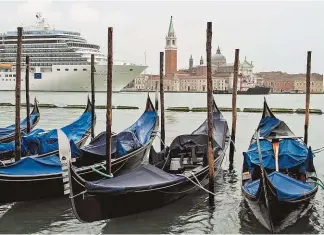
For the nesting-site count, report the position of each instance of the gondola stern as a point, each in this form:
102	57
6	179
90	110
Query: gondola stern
89	105
215	107
35	108
266	110
36	112
89	108
156	99
149	105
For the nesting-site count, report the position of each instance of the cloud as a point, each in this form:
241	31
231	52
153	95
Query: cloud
81	13
33	6
26	12
115	18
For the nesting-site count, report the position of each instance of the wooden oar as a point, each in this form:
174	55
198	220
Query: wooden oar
275	145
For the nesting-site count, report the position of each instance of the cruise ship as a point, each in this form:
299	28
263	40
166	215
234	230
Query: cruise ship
59	61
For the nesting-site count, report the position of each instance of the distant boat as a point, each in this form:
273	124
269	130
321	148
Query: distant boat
59	61
257	90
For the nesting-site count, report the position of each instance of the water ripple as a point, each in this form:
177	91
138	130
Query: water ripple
191	214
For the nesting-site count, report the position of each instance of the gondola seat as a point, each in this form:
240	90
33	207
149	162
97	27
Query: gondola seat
190	157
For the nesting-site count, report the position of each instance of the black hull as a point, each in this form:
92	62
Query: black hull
24	130
94	207
283	215
26	188
280	214
249	91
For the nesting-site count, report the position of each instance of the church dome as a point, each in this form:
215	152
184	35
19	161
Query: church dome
218	58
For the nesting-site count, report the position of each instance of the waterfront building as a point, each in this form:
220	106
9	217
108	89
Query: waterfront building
291	83
194	77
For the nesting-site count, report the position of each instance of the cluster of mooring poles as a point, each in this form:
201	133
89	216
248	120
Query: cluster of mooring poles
109	102
18	95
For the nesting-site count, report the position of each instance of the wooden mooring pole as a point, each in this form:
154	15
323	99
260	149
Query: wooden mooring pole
92	96
27	94
210	104
162	101
308	74
234	109
17	95
109	99
156	97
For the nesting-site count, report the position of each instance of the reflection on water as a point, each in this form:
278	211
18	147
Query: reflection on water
171	117
190	214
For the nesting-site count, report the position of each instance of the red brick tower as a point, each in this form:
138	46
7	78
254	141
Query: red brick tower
170	50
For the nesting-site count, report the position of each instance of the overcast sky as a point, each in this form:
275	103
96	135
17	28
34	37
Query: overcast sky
274	35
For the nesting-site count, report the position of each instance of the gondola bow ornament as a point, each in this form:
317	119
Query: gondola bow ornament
65	158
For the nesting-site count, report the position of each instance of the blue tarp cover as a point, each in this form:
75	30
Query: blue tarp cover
291	154
10	130
220	132
267	124
48	142
33	166
41	142
147	176
126	141
287	187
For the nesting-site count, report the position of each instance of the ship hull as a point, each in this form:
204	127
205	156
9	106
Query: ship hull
249	91
77	78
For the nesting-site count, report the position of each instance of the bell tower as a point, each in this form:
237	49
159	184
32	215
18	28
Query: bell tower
171	50
190	63
201	61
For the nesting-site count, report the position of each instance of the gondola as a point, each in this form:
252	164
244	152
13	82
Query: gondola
7	134
44	143
34	178
278	177
169	176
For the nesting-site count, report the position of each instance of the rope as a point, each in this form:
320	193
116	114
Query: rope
121	166
158	132
83	192
160	137
320	183
317	179
198	184
78	182
166	160
232	142
318	150
101	173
